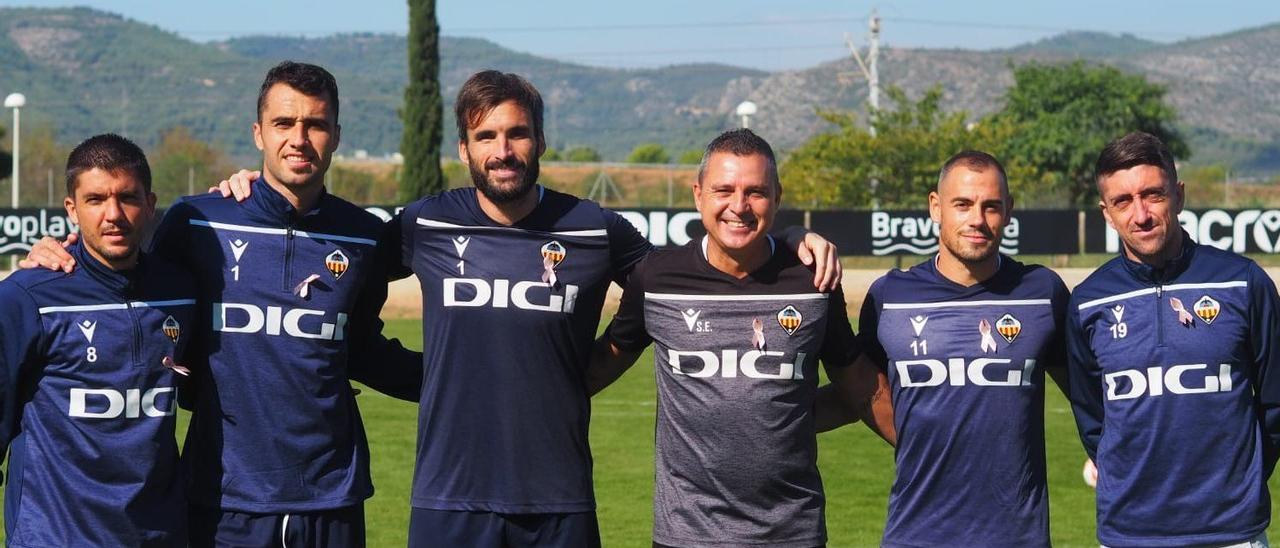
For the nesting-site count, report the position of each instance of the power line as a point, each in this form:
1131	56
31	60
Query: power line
1021	27
558	28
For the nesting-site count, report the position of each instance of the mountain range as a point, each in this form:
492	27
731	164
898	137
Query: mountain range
86	71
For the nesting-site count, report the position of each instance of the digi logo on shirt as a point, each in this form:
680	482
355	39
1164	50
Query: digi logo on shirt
248	318
955	372
1155	381
704	363
525	295
108	403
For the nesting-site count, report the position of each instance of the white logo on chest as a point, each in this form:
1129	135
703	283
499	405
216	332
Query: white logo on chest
87	327
691	317
237	248
460	244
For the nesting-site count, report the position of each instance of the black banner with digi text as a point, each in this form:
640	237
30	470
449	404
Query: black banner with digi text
873	233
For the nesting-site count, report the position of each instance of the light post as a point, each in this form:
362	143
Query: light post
15	101
746	110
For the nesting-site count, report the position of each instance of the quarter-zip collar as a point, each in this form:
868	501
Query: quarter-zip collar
269	206
1157	276
121	282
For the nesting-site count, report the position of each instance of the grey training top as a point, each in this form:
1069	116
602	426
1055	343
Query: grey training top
736	449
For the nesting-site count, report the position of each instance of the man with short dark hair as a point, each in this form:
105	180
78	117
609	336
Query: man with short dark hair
89	364
293	284
1174	378
739	330
966	339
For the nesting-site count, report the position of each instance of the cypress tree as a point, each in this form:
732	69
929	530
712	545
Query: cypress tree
420	142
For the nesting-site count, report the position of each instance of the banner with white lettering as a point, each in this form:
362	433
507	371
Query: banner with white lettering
1235	230
915	233
854	232
19	228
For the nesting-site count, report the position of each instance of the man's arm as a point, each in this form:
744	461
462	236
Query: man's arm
1055	361
1264	329
608	363
20	334
382	364
859	391
816	251
1084	383
626	337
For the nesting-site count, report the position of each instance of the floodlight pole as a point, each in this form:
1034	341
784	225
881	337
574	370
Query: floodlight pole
16	101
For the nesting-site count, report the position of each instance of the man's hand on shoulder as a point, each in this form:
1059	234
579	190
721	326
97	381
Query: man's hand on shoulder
237	185
51	254
820	253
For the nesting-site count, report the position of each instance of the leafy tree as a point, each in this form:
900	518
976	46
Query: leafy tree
1064	115
552	155
690	157
422	113
897	167
649	153
581	154
182	164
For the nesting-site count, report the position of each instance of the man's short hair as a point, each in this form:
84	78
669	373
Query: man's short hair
741	142
111	153
487	89
975	160
310	80
1132	150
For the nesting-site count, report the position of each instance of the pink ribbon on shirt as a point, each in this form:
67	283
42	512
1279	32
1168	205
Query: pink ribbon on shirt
303	289
172	365
757	335
1184	317
548	270
988	342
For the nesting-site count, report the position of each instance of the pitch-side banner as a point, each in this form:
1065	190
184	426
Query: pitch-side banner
19	228
854	232
914	233
1236	230
875	232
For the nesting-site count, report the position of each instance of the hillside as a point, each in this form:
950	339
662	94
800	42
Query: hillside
88	71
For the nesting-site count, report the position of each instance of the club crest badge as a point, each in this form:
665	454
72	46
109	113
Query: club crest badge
789	318
1207	309
1009	327
553	252
171	328
337	263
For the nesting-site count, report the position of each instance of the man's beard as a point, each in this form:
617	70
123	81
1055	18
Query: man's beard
971	255
500	195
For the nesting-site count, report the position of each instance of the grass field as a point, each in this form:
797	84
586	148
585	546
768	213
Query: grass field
857	468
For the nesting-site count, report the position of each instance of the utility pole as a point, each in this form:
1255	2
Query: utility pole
871	69
871	65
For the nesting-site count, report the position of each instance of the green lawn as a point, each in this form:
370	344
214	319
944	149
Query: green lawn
857	467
